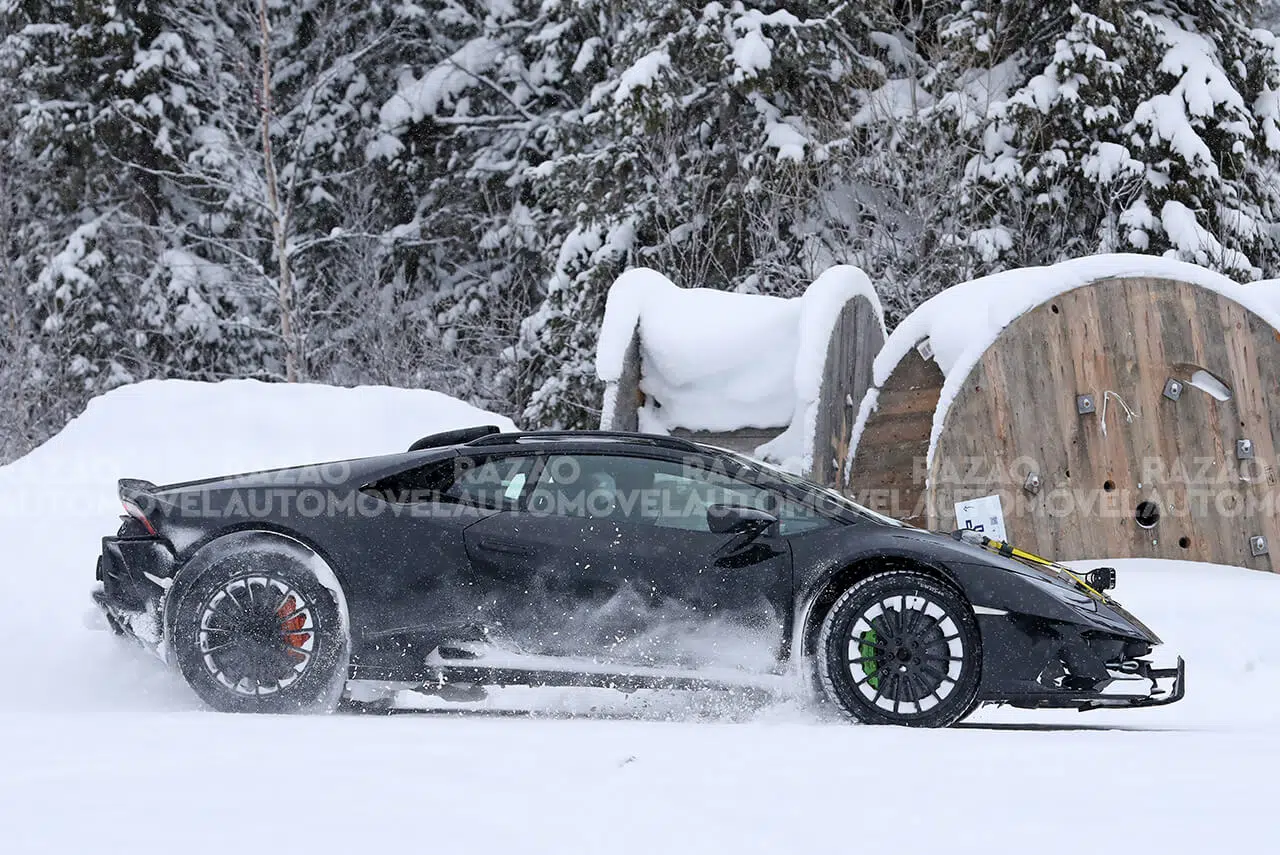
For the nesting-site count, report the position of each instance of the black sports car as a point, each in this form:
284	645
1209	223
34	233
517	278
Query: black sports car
480	558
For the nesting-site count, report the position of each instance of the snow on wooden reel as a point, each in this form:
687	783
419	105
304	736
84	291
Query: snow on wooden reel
1120	406
766	376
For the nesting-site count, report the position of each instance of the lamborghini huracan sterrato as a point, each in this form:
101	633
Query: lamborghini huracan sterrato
480	558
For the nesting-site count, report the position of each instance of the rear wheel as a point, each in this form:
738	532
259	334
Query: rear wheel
900	647
257	632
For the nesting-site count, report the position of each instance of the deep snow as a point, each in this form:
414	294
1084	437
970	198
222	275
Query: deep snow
105	751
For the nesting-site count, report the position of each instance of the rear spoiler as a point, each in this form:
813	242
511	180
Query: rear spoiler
139	500
136	489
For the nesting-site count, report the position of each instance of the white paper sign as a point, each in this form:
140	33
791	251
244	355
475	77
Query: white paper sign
984	515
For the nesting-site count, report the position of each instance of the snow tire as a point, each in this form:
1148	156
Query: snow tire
901	647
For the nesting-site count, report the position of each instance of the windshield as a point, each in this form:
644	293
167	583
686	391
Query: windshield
816	491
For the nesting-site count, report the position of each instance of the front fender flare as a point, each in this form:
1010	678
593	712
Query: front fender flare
814	584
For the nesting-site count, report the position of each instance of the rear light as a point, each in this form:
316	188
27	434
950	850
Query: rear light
136	512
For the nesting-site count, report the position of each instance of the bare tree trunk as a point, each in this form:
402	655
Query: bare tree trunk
278	212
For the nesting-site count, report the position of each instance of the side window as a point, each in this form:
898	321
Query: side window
687	495
489	482
660	493
795	518
594	486
486	482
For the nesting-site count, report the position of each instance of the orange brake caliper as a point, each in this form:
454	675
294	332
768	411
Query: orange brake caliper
291	622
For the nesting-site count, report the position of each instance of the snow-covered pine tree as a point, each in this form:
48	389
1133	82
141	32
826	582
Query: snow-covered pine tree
477	102
1134	126
65	59
116	296
26	403
1267	15
699	150
276	103
891	204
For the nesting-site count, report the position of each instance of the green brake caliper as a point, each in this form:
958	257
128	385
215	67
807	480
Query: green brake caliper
867	652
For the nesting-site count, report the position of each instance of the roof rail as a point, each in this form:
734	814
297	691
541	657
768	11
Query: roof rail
657	440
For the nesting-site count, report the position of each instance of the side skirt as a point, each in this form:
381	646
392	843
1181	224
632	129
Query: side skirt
623	681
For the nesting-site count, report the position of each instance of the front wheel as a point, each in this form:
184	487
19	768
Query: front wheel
901	647
257	632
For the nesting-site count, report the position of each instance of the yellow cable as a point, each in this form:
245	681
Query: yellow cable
1028	556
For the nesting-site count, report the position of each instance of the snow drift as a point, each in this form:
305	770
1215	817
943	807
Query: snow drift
60	499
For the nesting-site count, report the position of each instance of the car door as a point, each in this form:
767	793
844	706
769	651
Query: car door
614	576
735	591
420	587
562	569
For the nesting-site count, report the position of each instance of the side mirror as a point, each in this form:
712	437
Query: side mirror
736	519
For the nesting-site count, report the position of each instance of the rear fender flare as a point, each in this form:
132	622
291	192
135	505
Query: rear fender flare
250	540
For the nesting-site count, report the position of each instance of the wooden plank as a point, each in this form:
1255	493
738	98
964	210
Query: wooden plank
908	402
847	370
744	441
889	461
622	399
893	431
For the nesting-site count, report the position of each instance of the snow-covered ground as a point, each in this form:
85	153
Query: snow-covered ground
103	750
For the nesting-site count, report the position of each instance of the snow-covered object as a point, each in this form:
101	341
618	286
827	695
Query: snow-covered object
721	361
819	310
963	321
710	360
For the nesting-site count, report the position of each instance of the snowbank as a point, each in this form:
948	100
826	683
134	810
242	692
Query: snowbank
965	320
56	502
175	430
719	360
